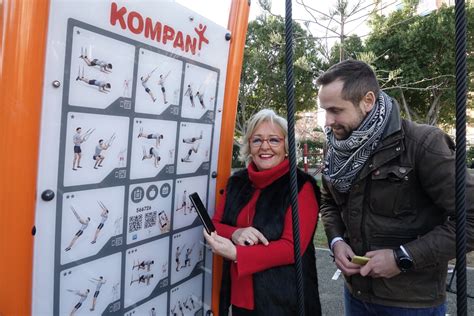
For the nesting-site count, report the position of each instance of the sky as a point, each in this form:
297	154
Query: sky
218	11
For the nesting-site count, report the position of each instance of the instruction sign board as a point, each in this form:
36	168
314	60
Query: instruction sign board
131	115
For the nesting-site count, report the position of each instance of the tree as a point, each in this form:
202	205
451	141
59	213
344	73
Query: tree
421	50
470	157
262	83
351	47
339	22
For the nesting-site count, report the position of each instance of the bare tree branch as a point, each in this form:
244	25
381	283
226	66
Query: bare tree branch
404	103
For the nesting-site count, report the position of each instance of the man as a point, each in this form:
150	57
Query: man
99	282
83	297
189	93
144	80
84	224
78	139
388	194
161	82
98	157
103	86
104	215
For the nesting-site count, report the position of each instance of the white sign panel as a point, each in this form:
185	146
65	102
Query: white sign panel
132	105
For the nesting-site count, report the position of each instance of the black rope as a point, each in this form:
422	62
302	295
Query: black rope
290	101
461	98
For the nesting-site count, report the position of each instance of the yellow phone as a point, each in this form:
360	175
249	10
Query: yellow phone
360	260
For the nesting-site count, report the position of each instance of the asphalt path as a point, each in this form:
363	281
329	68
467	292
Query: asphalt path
330	291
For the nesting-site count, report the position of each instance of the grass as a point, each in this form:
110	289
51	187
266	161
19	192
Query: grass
319	239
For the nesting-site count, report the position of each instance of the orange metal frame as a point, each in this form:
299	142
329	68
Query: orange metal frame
22	53
238	22
23	31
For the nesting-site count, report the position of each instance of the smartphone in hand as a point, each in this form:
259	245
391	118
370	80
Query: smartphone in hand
202	212
360	260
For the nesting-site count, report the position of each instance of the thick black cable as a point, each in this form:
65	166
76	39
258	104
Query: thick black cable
461	98
290	101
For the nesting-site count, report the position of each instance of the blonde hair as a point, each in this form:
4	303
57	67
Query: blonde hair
265	115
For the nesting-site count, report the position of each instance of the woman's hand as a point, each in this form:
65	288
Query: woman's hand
248	236
221	246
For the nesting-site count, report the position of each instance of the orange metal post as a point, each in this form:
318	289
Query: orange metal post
238	22
22	51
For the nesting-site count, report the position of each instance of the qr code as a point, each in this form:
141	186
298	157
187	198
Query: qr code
150	219
127	105
135	223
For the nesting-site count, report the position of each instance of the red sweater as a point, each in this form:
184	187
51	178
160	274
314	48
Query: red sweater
252	259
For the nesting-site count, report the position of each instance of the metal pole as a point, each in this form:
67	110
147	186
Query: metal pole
290	101
461	97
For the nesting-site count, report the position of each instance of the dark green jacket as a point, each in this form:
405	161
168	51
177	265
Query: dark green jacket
404	195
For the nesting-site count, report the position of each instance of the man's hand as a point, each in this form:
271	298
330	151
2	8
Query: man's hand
381	264
248	236
221	246
342	255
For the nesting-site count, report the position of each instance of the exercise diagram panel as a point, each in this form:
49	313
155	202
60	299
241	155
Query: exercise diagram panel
130	128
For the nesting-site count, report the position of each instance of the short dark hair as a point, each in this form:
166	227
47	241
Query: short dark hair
357	76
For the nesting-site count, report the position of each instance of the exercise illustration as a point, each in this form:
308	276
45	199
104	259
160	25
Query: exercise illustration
161	82
189	93
189	303
99	282
115	291
187	257
104	216
126	88
84	223
152	153
78	139
200	97
184	203
101	64
82	298
180	308
156	136
164	269
121	157
173	311
144	264
178	252
143	278
103	86
118	226
194	142
98	156
144	80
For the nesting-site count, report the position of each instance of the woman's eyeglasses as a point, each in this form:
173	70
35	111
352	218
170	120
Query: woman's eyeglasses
273	141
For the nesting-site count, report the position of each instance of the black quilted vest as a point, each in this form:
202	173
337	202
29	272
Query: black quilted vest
275	288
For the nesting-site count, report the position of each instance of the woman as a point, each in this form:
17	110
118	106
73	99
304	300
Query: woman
254	228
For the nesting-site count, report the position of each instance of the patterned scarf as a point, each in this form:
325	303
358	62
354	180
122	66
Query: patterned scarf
345	158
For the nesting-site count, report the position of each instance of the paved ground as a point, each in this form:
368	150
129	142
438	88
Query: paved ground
330	291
